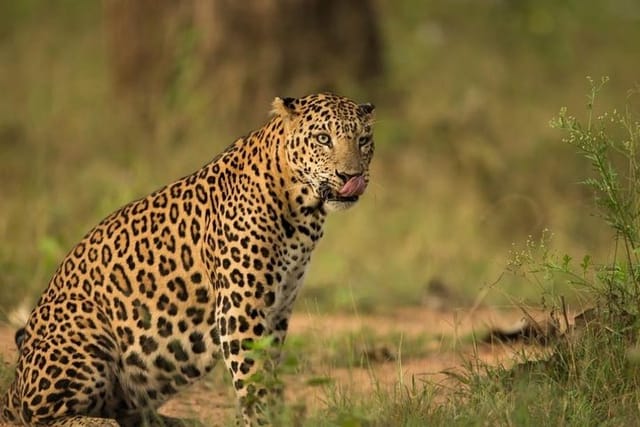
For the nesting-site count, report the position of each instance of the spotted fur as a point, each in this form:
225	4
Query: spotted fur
199	270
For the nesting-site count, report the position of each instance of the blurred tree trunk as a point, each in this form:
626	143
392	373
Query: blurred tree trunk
141	41
247	52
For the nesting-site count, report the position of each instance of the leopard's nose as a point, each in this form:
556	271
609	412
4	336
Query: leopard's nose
344	176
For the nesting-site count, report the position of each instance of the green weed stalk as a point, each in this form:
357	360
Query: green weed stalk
609	141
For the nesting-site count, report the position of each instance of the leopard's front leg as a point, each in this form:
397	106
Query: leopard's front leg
250	343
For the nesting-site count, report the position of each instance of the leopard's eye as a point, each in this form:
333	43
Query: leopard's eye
364	140
324	139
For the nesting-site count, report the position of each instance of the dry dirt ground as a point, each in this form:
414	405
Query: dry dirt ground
211	400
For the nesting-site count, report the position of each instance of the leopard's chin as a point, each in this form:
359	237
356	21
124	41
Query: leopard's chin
339	203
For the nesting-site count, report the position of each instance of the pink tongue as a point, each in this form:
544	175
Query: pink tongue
354	187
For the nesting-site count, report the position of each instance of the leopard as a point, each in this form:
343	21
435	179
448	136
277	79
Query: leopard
200	270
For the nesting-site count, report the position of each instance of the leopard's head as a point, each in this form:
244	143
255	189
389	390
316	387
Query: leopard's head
329	146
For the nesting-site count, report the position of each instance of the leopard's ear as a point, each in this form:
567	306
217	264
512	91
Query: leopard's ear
367	109
285	107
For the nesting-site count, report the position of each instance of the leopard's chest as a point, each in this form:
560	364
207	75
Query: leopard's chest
293	262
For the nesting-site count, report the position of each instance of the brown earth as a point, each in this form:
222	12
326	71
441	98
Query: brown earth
445	338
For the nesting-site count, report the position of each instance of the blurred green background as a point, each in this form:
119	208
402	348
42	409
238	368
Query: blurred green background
103	102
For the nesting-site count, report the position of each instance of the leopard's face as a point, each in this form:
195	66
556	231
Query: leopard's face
329	146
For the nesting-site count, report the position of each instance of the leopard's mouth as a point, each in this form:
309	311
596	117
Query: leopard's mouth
328	194
349	193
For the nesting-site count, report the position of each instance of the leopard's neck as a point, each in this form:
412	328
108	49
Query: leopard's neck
257	167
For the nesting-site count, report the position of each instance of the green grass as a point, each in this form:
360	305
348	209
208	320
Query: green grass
588	389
